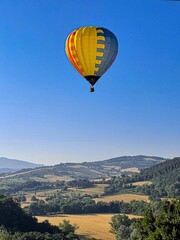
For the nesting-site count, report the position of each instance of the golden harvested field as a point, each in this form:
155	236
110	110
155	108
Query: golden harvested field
142	183
97	189
133	169
123	197
53	178
101	179
78	166
92	225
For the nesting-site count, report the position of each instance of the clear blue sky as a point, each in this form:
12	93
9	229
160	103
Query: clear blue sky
48	115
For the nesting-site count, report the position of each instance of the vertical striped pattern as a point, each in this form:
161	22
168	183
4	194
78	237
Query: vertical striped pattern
71	52
86	41
100	50
91	50
109	52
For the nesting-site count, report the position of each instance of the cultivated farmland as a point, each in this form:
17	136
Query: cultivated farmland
123	197
92	225
141	183
97	189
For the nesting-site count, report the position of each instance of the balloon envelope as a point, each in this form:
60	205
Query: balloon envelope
91	50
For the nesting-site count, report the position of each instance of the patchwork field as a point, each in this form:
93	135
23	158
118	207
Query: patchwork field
133	169
122	197
141	183
92	225
97	189
54	178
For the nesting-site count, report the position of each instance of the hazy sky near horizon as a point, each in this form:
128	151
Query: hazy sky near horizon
48	115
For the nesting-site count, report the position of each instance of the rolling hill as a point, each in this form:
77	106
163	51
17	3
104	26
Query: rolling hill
93	170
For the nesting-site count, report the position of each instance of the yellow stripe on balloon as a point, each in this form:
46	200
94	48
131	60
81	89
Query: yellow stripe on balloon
92	50
99	54
100	31
85	41
96	69
78	46
100	37
102	46
89	42
98	61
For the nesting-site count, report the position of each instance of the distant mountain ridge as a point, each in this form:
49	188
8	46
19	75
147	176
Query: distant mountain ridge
93	170
12	165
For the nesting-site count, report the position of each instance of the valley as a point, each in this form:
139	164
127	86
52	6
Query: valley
91	202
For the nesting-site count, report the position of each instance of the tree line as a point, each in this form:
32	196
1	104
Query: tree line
25	185
77	204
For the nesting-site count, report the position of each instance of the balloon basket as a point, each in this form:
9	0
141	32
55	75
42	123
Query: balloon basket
92	89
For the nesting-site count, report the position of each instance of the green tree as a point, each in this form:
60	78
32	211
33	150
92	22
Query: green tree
121	226
161	225
4	235
67	227
33	198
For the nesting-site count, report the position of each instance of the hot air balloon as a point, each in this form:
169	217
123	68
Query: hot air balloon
91	50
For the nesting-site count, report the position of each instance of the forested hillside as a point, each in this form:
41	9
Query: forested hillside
171	166
164	177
